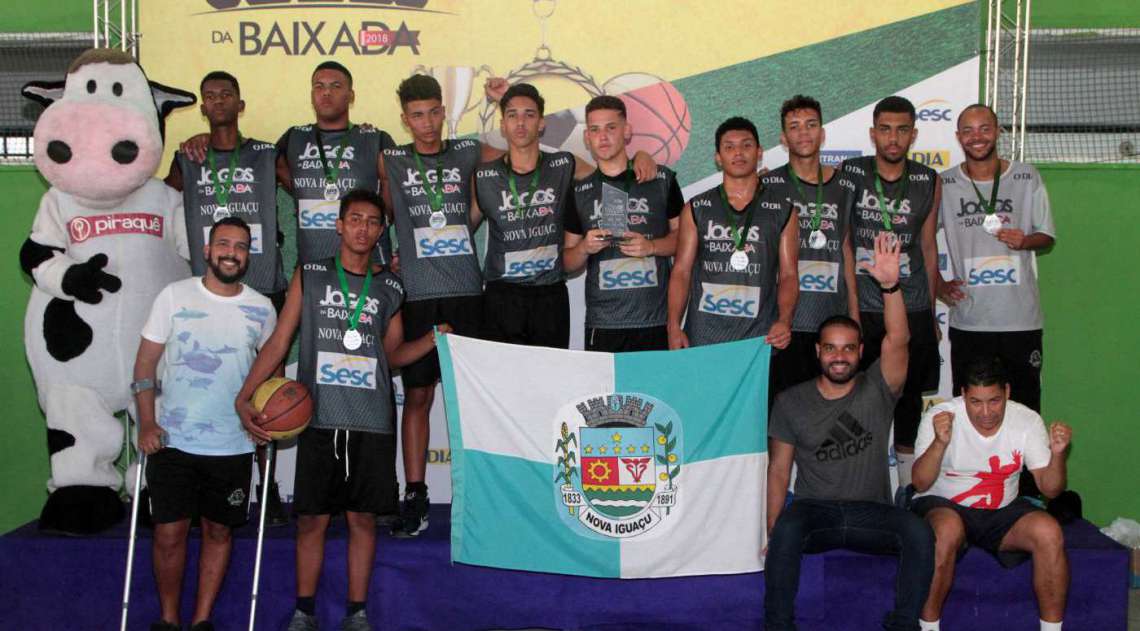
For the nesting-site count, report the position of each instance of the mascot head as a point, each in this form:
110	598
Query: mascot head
100	137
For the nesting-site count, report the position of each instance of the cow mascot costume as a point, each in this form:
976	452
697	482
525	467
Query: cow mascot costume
106	238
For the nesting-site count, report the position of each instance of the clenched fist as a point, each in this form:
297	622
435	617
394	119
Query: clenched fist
1059	437
943	427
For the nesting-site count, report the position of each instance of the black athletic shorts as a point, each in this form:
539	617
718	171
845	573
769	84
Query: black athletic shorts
923	365
534	315
653	338
338	471
793	365
984	527
278	300
1020	351
184	485
463	313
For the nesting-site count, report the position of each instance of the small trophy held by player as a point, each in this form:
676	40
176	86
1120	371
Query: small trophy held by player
614	218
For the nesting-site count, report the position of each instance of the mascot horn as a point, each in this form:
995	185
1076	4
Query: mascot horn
106	238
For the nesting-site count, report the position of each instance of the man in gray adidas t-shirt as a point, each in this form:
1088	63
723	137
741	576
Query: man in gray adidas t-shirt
734	275
995	214
826	263
834	429
627	273
348	311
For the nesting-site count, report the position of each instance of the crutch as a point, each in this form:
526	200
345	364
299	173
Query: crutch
131	542
270	450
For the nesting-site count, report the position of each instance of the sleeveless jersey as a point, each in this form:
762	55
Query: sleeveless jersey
625	292
435	261
906	215
316	217
524	242
823	286
726	305
351	389
253	198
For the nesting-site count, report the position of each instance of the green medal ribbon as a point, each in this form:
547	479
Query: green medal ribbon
735	229
817	214
884	210
434	194
991	207
359	299
222	190
332	173
514	185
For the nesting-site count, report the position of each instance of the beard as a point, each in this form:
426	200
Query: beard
220	274
845	372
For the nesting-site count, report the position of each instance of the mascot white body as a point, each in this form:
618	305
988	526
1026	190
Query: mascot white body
106	239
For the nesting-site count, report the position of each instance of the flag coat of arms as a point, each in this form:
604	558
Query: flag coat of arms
629	465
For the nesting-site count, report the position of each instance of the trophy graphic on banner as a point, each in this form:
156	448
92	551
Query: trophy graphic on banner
456	83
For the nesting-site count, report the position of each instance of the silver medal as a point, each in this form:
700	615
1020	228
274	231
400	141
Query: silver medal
332	192
991	224
738	261
437	220
221	212
352	339
816	240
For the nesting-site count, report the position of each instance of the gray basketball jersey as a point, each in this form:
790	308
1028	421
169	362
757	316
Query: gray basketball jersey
524	242
351	389
906	215
625	292
316	216
727	305
823	285
435	260
252	197
1001	284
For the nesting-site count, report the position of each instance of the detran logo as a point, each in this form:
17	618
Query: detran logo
446	241
993	271
819	276
627	273
738	301
934	110
349	371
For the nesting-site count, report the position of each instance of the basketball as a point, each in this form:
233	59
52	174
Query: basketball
286	404
657	113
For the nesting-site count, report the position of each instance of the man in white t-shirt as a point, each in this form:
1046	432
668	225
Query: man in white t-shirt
970	454
208	330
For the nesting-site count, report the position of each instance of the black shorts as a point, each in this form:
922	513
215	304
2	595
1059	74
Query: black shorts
985	528
463	313
1020	351
184	485
534	315
278	300
923	365
793	365
341	471
653	338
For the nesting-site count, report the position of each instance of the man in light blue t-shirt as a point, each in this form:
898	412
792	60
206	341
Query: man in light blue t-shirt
208	330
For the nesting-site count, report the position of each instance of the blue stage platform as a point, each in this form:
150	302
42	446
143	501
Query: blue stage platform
58	583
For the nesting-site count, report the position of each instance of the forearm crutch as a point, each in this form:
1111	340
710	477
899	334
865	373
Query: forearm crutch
131	541
270	451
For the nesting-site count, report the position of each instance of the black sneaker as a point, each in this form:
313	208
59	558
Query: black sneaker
413	517
204	625
163	625
275	514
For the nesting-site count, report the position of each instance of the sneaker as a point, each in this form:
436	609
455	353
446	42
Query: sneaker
302	621
414	516
275	514
204	625
163	625
356	622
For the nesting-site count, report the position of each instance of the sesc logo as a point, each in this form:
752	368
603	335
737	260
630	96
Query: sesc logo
528	263
452	240
349	371
738	301
627	273
993	271
819	276
934	110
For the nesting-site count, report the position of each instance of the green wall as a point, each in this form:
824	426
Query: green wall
1086	283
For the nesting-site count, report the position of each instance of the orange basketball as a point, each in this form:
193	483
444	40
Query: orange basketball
286	404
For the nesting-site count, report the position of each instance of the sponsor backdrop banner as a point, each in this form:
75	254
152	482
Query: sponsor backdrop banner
608	465
682	67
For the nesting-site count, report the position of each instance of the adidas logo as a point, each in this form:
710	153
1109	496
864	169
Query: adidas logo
846	439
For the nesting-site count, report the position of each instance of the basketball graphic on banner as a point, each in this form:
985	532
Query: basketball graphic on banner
657	112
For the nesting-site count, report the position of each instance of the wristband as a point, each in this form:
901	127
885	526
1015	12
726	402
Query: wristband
890	290
142	385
